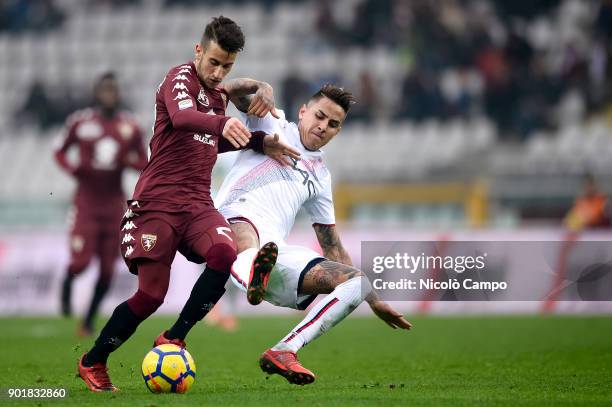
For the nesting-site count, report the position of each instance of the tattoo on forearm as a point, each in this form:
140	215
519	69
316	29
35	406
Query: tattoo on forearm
326	276
241	87
330	244
339	271
327	236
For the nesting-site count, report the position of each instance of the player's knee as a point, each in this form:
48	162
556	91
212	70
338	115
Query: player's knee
356	289
143	304
220	257
351	273
365	285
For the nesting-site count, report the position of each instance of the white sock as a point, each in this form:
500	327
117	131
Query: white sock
328	312
241	269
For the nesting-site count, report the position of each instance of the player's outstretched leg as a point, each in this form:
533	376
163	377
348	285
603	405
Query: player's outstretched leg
209	289
348	286
153	280
260	272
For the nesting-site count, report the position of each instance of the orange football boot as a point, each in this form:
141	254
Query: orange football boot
260	272
162	340
286	364
96	377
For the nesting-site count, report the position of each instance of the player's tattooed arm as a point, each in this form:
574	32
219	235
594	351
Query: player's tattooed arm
326	276
330	243
261	100
242	103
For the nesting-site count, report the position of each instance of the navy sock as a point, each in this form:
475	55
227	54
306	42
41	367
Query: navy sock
121	325
209	288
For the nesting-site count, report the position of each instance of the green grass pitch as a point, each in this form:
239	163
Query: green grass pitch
454	361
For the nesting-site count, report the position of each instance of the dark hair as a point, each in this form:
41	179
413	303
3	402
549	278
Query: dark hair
106	76
338	95
224	32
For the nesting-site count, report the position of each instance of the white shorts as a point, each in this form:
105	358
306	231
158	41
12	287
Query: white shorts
286	276
265	232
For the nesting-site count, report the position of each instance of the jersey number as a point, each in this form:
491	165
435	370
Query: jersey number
306	178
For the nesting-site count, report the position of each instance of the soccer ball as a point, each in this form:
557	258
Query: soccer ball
168	369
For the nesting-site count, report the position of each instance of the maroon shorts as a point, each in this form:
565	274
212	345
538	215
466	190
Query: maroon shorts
156	231
94	231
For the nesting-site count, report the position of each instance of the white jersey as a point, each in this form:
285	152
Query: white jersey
270	195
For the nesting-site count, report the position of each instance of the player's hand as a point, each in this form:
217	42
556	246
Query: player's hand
281	152
391	317
236	133
263	102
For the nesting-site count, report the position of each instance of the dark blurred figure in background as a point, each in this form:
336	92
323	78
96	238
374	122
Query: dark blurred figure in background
113	4
17	16
39	108
294	89
108	141
590	208
365	110
48	106
420	96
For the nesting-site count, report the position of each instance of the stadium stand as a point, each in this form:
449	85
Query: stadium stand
438	117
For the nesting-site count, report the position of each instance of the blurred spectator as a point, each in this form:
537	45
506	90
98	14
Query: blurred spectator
46	108
38	108
590	208
461	88
326	24
367	99
420	96
294	90
371	23
113	4
603	21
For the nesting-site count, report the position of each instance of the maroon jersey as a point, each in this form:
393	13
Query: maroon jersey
188	124
106	146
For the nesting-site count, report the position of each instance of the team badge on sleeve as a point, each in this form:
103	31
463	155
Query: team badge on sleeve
148	241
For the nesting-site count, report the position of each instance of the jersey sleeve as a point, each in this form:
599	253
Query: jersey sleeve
268	124
69	139
137	155
179	92
256	143
321	207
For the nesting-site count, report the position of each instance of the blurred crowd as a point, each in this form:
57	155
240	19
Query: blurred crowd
528	66
17	16
49	106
